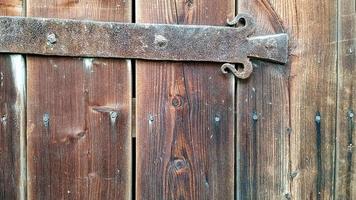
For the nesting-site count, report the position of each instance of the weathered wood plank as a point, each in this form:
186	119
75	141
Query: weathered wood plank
185	119
12	117
312	86
287	128
263	119
79	113
346	132
12	8
12	127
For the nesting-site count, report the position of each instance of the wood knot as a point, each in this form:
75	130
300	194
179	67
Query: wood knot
177	101
189	3
180	164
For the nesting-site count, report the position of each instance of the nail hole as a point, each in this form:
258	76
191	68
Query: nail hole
46	119
3	119
241	22
150	118
240	68
255	116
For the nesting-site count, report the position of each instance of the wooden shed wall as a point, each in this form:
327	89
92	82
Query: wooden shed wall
288	132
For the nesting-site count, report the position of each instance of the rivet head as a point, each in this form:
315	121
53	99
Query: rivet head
160	41
150	118
351	114
217	118
255	116
113	115
45	119
318	118
51	38
271	44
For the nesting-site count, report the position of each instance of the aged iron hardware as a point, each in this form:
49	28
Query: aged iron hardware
63	37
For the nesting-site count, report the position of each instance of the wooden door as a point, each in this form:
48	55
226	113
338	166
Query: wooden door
95	128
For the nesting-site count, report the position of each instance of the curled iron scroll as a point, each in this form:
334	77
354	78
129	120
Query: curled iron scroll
247	23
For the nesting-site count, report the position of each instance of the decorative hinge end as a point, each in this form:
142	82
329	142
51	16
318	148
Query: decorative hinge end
273	48
243	71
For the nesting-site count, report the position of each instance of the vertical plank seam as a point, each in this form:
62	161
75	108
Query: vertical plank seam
337	99
176	11
289	132
24	13
26	194
236	164
350	128
274	15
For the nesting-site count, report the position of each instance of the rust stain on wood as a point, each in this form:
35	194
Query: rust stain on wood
320	176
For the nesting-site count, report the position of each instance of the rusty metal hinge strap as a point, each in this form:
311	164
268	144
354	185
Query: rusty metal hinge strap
63	37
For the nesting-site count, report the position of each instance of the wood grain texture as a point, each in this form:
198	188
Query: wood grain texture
12	127
12	8
12	116
313	31
185	114
287	129
79	113
346	132
263	122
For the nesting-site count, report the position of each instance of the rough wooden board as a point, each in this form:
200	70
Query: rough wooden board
285	145
312	94
262	119
79	137
185	129
12	8
346	132
12	127
312	25
12	117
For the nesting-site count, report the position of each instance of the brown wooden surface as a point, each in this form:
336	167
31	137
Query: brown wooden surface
294	129
185	129
79	137
12	117
262	119
284	152
313	30
346	132
12	127
12	8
